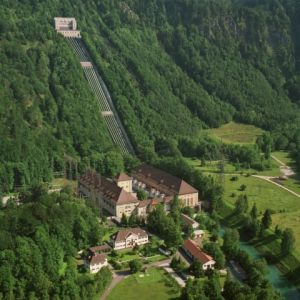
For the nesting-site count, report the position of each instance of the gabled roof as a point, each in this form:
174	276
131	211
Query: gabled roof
122	177
195	251
108	188
100	248
97	259
188	220
122	235
162	181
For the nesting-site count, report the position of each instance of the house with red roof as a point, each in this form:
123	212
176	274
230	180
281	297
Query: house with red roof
108	194
193	250
117	196
160	184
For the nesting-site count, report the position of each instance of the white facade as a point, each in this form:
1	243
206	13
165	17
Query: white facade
67	27
126	185
96	267
130	241
210	265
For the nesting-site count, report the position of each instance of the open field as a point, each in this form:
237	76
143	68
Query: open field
214	167
263	193
284	157
289	220
155	284
236	133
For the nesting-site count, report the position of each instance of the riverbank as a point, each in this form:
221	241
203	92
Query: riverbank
282	271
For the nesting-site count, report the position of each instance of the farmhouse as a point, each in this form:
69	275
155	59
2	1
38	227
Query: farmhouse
195	253
95	262
160	184
128	238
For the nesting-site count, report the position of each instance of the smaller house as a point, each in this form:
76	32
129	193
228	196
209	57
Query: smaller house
100	249
195	253
95	262
128	238
189	221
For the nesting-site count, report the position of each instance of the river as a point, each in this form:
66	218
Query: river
287	290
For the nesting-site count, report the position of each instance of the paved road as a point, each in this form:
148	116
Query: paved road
119	276
178	279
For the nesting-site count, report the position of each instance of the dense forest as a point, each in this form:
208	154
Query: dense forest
173	68
39	240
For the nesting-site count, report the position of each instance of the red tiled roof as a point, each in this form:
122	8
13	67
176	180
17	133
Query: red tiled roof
107	188
188	220
123	234
195	251
162	181
144	203
122	177
97	259
100	248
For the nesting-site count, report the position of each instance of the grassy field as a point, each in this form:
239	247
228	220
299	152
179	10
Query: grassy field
263	193
214	167
153	285
284	157
236	133
289	220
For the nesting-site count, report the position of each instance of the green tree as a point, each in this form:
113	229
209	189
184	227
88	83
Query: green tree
253	212
241	204
266	219
124	220
230	242
197	269
141	194
287	241
194	290
135	266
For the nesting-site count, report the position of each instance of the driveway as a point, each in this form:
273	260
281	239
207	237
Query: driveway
178	279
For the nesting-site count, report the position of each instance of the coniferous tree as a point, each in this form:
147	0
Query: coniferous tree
266	219
287	241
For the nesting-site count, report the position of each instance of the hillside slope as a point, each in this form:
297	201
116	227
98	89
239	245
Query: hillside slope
172	67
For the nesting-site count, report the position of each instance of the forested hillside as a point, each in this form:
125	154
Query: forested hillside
39	240
173	68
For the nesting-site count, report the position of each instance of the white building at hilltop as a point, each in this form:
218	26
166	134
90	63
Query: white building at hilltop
67	27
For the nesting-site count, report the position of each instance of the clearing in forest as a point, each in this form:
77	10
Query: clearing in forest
236	133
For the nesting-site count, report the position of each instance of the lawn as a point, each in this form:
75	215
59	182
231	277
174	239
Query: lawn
289	220
214	167
284	157
263	193
293	183
236	133
153	285
125	255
